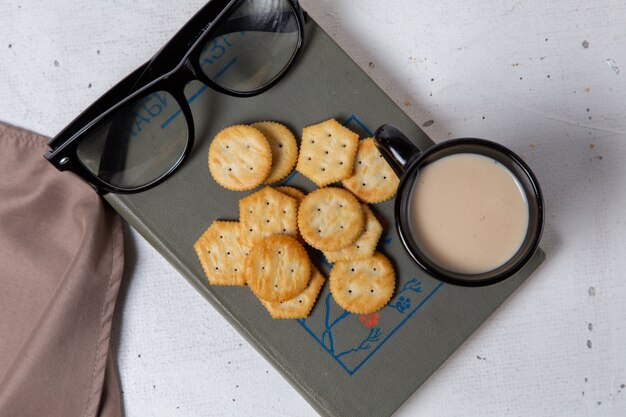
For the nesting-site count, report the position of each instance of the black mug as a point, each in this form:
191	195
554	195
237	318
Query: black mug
407	161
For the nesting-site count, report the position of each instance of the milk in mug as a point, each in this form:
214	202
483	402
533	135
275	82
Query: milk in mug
468	213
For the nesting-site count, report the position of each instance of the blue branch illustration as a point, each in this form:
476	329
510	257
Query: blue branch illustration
373	336
412	285
329	326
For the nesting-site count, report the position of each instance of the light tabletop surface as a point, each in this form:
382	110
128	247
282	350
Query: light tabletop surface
542	77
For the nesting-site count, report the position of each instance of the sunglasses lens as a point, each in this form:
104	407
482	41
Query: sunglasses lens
252	45
139	144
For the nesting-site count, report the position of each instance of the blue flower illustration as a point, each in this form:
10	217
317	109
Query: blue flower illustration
402	304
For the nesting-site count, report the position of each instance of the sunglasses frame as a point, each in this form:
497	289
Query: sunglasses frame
166	71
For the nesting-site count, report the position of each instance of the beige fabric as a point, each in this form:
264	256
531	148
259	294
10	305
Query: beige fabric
61	259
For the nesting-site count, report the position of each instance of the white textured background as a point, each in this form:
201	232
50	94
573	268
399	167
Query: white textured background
513	71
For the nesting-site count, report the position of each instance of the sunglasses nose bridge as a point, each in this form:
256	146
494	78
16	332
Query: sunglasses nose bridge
182	75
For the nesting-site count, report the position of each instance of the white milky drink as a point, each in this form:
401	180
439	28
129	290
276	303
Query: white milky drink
468	213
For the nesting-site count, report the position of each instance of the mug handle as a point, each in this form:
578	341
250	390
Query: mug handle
395	147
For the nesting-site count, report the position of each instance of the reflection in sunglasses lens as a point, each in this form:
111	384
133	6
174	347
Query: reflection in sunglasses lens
252	45
139	144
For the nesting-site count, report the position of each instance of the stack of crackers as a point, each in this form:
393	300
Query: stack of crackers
266	248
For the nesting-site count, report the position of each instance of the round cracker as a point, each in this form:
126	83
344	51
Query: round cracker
301	305
365	245
240	158
362	286
330	219
292	192
278	268
284	149
373	180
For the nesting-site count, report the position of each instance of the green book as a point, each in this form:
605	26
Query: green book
344	364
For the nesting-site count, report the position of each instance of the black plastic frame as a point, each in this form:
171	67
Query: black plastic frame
170	69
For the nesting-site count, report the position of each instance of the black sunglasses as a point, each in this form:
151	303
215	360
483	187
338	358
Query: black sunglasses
139	132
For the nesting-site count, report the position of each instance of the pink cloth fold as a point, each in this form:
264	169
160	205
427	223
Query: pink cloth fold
61	260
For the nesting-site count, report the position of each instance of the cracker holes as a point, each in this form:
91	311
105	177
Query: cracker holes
300	301
363	184
228	253
352	269
349	290
309	158
323	169
230	169
360	162
326	152
267	220
344	146
217	267
372	290
267	203
280	145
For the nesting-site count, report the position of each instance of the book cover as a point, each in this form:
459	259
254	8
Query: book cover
343	364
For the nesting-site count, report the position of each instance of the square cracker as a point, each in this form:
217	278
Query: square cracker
265	213
327	152
301	305
222	254
373	180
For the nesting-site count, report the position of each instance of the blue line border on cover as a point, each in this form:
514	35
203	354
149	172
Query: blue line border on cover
352	371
